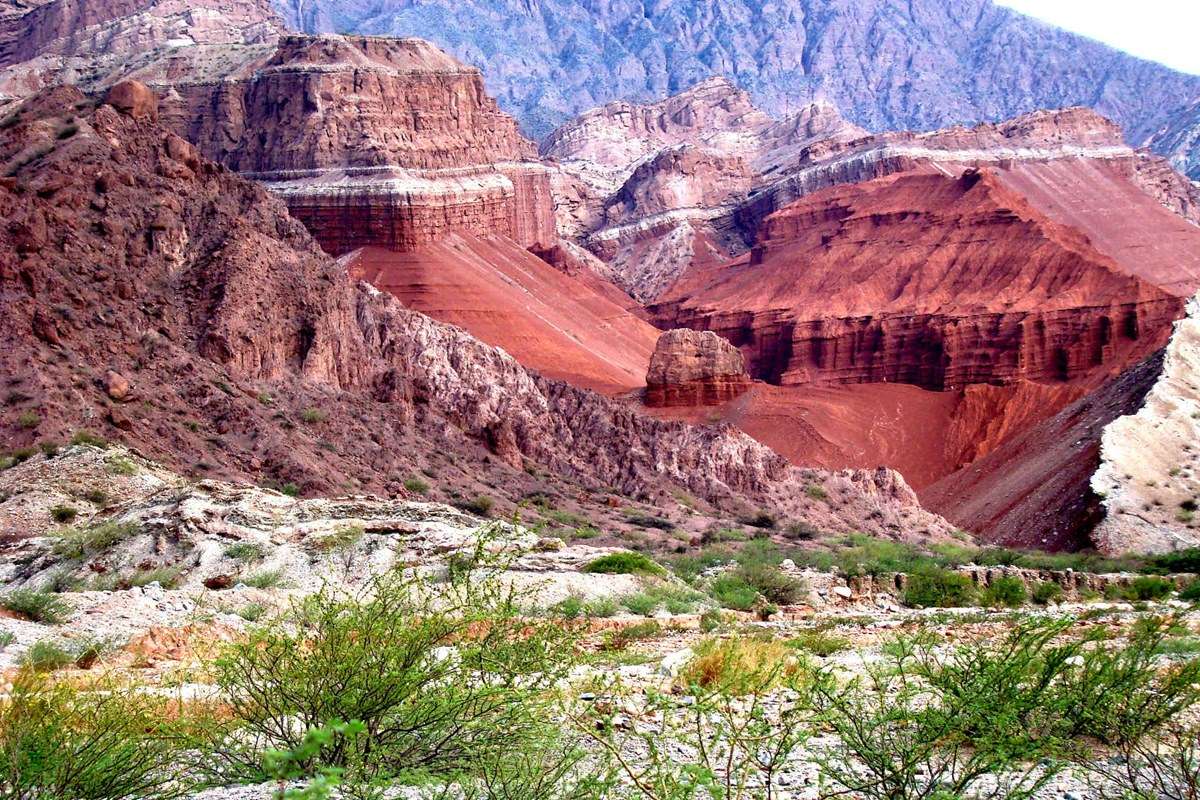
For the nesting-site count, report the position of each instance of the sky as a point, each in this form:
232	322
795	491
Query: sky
1167	31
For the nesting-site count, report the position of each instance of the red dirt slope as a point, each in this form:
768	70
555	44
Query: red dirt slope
571	327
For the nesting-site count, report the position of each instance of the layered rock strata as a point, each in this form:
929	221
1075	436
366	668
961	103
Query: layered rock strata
253	354
924	279
640	184
694	368
370	141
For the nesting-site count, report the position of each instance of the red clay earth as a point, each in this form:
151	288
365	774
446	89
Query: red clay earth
569	327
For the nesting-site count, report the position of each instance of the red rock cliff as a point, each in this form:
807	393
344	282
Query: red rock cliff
374	141
923	279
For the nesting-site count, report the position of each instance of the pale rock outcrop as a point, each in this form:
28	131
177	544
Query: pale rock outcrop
1149	473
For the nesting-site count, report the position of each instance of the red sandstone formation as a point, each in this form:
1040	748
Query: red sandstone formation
638	184
928	280
124	250
923	434
693	368
1072	156
571	327
371	141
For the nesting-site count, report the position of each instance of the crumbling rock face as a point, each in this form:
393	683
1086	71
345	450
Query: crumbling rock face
371	141
1034	489
1149	471
633	181
95	44
694	368
256	356
984	289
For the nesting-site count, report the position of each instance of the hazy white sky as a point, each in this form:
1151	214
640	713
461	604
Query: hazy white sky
1167	31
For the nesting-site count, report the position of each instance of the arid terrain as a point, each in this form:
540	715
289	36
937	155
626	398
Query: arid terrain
818	427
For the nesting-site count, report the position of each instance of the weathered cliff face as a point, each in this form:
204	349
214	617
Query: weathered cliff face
386	142
1034	489
1147	476
641	184
923	279
94	44
694	368
243	350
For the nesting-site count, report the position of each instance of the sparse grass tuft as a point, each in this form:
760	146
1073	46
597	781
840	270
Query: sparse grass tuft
36	605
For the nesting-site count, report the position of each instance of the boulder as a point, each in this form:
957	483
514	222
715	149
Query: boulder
133	99
694	368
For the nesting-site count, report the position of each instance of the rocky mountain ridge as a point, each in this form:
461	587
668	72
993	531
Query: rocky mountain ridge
888	66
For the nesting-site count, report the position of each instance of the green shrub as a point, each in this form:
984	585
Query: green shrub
938	588
650	521
252	612
1187	560
89	438
343	538
440	674
1140	589
64	513
119	465
1191	591
264	579
97	497
623	637
1151	588
731	590
762	519
312	416
480	506
624	563
29	419
640	603
101	742
1046	592
416	485
602	607
36	605
924	723
816	492
773	583
166	577
1006	591
711	620
47	656
568	608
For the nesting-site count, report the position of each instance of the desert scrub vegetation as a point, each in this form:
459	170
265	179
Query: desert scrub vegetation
625	563
933	587
94	742
440	674
71	543
480	505
37	605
